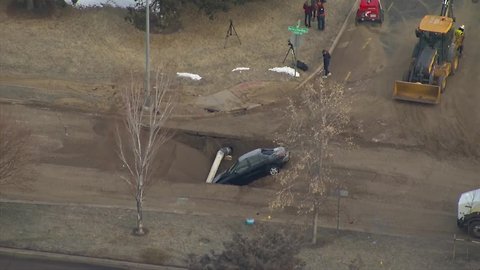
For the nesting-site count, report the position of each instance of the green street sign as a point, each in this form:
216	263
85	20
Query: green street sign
296	29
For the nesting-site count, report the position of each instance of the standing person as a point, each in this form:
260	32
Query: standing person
459	36
326	63
314	4
321	16
308	14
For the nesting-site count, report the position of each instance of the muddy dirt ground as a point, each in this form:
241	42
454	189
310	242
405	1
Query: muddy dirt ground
400	175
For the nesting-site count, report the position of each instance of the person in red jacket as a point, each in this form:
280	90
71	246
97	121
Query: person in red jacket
321	16
308	14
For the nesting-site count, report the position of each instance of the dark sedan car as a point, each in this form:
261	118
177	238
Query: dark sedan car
253	165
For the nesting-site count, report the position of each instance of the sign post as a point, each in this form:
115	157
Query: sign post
297	31
294	42
340	193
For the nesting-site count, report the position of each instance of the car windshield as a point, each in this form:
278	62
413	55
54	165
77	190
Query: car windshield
233	167
239	166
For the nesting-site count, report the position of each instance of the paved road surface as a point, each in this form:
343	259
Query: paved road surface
24	263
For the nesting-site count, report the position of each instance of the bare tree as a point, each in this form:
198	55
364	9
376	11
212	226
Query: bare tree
14	139
145	133
320	116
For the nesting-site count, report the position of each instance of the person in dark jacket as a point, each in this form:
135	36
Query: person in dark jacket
314	5
321	16
308	14
326	63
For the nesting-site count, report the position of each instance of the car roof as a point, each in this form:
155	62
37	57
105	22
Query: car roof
250	154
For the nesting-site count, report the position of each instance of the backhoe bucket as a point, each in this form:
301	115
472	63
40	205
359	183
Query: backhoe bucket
417	92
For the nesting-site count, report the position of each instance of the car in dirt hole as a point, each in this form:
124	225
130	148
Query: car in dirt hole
253	165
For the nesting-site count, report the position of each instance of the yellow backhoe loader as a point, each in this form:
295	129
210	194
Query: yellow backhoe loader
435	57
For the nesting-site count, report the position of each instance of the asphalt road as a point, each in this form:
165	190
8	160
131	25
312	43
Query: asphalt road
24	263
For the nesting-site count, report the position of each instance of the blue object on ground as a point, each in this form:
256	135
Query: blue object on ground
250	221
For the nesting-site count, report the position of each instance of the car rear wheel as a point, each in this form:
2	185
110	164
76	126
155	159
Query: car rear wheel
274	170
474	229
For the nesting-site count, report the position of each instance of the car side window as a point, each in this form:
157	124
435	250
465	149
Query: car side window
256	160
241	167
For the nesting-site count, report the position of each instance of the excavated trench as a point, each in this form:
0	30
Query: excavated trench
185	158
205	148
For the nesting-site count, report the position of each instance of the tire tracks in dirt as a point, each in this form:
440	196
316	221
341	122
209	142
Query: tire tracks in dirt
433	129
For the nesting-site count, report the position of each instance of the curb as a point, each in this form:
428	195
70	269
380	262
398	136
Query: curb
355	229
133	208
45	105
41	255
104	115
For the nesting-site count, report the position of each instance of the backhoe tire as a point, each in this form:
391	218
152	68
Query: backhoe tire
474	229
454	64
431	78
408	76
442	83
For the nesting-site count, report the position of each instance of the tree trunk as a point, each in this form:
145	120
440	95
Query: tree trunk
29	4
139	230
315	224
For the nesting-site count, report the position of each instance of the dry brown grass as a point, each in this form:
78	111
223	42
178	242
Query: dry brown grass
95	44
80	49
